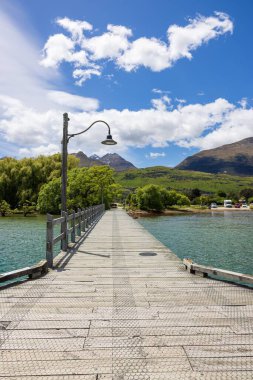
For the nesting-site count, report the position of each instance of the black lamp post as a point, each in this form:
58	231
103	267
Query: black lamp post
66	137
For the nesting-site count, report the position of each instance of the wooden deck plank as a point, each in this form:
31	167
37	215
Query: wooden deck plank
113	314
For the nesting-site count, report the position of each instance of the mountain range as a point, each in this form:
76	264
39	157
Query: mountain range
114	160
234	159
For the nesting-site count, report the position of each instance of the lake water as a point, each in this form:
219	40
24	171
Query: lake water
219	239
224	240
22	241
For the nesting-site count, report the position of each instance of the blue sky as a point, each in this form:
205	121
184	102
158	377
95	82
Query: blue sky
171	77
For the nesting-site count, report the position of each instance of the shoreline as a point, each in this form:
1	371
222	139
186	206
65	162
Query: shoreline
142	214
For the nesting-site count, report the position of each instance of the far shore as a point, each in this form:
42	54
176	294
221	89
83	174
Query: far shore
189	210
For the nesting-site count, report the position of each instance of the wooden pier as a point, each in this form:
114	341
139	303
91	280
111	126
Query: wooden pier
123	307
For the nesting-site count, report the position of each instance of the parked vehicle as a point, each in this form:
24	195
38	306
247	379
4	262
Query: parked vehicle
228	203
244	205
237	205
214	205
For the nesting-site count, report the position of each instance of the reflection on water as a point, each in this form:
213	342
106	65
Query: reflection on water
220	239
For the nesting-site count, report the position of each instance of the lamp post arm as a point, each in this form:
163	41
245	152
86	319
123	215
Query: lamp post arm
85	130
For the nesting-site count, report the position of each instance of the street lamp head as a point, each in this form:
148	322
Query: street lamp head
109	141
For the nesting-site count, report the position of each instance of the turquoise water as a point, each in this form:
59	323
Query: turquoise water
22	241
224	240
219	239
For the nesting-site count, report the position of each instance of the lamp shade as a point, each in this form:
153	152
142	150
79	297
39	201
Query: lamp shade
109	141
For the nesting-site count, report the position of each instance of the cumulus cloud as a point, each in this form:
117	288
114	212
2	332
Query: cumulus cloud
183	40
108	45
75	27
82	50
197	125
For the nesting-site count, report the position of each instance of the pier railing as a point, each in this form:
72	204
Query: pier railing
73	226
206	271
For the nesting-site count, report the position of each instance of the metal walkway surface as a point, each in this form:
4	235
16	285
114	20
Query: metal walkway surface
124	308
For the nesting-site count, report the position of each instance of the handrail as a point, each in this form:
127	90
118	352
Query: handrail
34	271
206	270
75	224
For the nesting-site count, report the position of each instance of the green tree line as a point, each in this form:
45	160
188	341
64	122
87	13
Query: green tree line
34	183
156	198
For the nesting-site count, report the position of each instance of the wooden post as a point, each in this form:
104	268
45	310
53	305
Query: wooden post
79	218
64	229
88	217
73	225
50	238
82	220
92	214
85	219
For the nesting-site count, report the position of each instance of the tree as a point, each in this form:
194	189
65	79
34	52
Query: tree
90	186
28	208
204	200
21	180
221	194
246	193
194	193
86	187
49	199
182	200
132	200
4	208
149	197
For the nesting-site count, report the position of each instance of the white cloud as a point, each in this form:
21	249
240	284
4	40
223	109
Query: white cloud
83	74
115	45
73	102
182	40
193	125
243	103
161	92
57	49
162	103
181	101
75	27
236	125
21	75
156	155
150	53
31	111
45	150
108	45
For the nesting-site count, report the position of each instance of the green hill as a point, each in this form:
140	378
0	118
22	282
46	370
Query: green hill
182	180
